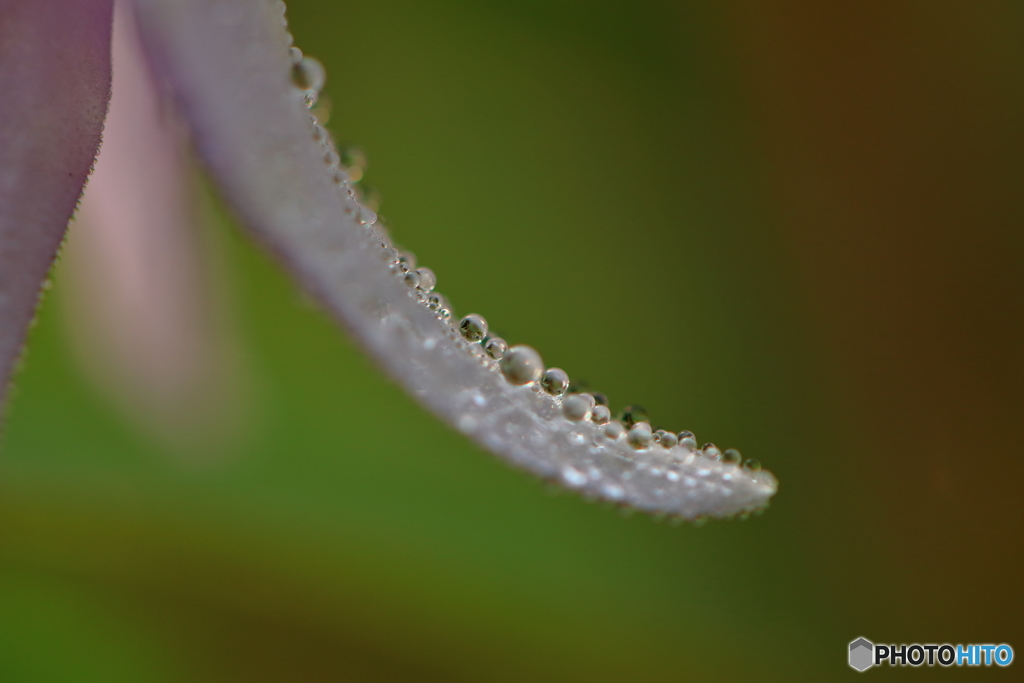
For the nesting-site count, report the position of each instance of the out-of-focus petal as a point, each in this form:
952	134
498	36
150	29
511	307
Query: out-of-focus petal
54	89
228	61
141	297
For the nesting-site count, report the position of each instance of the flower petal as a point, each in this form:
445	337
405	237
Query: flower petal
229	63
55	80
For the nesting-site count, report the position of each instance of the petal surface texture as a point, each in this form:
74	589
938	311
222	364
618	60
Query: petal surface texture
55	80
228	62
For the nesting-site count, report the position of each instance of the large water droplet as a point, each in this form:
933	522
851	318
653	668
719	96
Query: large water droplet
427	279
613	429
600	414
473	327
640	436
731	456
555	381
577	407
308	73
666	439
412	279
496	348
522	365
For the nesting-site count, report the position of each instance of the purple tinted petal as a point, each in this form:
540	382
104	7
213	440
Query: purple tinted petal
54	88
228	61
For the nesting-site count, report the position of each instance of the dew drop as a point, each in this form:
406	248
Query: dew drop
665	439
630	415
555	381
366	216
294	55
473	327
496	348
600	414
577	407
522	365
731	456
613	429
407	260
412	279
573	477
751	465
427	279
308	73
640	436
711	450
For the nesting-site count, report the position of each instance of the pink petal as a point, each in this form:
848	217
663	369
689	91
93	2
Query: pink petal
142	300
228	62
55	84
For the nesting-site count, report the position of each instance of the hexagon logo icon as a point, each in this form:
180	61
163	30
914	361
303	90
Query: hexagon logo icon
862	654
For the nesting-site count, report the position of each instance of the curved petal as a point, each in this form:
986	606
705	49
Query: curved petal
55	85
229	63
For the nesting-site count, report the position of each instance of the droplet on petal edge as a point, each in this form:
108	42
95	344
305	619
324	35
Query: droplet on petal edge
55	79
228	62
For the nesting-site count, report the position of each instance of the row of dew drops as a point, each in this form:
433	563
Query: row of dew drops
521	364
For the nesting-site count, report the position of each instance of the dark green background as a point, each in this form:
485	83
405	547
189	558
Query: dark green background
795	228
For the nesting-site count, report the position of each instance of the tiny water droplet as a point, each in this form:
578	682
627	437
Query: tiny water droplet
522	365
427	279
666	439
555	381
630	415
473	327
496	348
751	465
600	414
731	456
577	407
407	260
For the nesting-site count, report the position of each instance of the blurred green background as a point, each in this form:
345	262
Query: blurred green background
795	228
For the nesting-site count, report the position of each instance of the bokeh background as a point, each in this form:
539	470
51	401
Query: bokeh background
796	228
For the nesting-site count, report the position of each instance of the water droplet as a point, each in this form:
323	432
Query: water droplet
577	407
294	55
473	327
711	450
666	439
640	436
308	73
436	302
613	429
389	255
496	348
412	279
686	434
522	365
751	465
630	415
573	477
599	398
427	279
365	216
555	381
600	414
731	456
